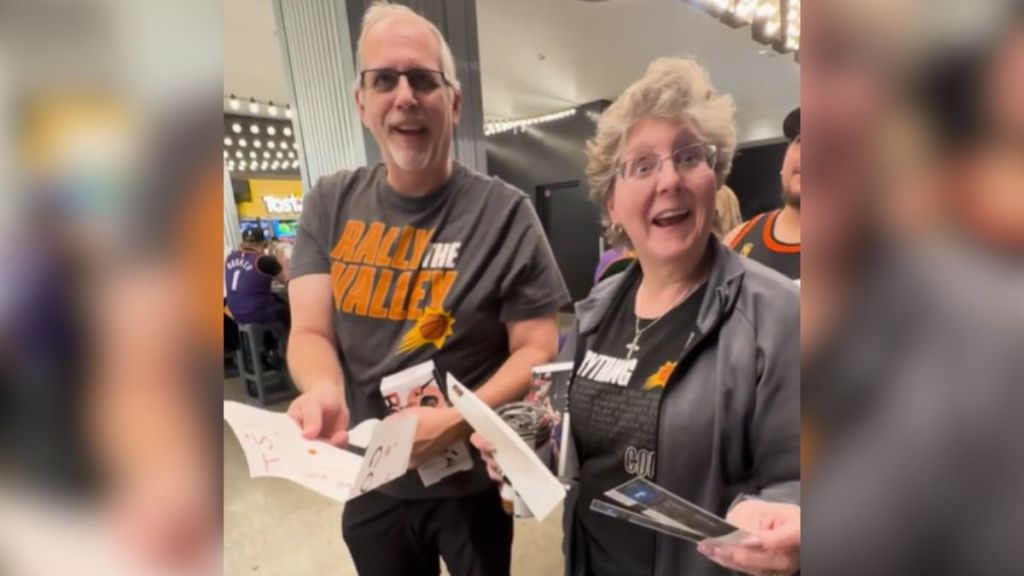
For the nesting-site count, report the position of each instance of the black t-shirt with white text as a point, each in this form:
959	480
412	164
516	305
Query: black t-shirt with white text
613	403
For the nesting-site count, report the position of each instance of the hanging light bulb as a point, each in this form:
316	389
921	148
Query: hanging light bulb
288	111
271	109
254	108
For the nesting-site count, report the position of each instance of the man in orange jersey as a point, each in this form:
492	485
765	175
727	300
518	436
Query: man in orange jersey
418	259
773	238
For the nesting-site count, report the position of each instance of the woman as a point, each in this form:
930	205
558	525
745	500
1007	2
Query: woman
686	364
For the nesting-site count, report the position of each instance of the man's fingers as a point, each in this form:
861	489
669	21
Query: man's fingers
481	443
495	472
295	413
339	438
487	454
312	420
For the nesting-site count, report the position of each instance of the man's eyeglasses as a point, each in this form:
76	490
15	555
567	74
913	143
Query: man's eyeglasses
384	80
684	159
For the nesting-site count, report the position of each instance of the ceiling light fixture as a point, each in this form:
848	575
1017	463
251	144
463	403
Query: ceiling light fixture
774	23
498	126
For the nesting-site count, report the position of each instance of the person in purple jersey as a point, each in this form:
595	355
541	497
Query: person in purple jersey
248	274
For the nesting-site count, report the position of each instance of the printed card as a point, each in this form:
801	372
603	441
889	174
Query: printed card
673	515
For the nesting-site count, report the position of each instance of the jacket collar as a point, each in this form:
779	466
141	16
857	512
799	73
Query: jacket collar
722	292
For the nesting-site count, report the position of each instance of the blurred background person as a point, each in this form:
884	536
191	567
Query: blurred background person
982	123
613	260
773	238
248	273
727	211
911	337
114	183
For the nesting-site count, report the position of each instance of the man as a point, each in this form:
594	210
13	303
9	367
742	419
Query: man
412	260
248	273
773	238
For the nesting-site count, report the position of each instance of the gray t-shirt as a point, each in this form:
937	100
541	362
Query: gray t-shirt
416	279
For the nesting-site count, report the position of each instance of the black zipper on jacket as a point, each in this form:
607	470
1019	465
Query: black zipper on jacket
694	340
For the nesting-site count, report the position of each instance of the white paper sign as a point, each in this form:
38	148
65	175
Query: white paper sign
529	476
274	446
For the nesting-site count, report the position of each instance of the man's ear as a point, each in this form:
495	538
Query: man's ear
456	105
360	104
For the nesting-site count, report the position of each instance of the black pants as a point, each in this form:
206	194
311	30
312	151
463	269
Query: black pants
388	536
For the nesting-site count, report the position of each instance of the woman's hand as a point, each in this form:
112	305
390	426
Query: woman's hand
774	545
487	453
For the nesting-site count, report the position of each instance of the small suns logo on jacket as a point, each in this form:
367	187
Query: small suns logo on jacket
660	378
434	326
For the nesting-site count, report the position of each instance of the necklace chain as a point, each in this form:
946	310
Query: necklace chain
634	346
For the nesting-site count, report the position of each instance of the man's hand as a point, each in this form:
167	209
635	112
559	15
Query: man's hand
774	545
436	429
321	413
487	454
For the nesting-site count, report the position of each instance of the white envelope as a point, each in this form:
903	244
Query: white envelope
530	478
274	446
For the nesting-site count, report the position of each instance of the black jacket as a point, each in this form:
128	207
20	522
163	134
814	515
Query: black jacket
729	422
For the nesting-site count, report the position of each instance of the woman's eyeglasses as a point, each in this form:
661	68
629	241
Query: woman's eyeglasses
684	159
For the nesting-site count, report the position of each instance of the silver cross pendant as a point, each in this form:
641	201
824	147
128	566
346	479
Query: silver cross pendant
632	347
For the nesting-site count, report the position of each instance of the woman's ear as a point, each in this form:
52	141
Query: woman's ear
609	203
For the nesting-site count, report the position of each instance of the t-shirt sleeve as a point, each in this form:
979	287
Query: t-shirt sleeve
534	286
310	254
268	265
